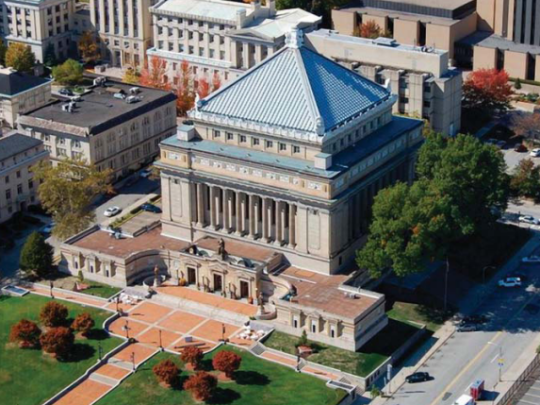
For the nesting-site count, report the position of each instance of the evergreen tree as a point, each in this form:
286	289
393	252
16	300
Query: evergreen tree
36	256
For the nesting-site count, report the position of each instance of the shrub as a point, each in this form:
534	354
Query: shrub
227	362
192	355
201	385
26	333
375	392
517	84
83	323
58	341
80	276
302	340
166	372
36	255
53	314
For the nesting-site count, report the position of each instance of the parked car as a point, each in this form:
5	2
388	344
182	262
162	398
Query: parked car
65	92
465	400
510	282
535	153
151	208
146	173
531	259
519	274
418	377
519	147
47	229
112	211
476	319
529	219
464	326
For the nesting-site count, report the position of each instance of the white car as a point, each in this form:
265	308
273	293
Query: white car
535	153
531	259
112	211
529	219
510	282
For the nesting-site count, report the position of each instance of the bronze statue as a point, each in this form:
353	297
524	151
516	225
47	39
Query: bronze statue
221	249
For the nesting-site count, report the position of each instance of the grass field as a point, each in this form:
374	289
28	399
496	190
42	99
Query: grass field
67	282
27	377
257	382
362	362
405	312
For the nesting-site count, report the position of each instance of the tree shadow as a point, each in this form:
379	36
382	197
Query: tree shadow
97	334
224	396
80	352
250	378
206	365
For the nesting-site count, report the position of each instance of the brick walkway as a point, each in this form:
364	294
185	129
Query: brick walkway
69	296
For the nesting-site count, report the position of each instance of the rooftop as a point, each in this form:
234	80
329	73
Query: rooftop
489	40
454	9
298	90
322	292
237	248
203	9
13	82
341	162
98	109
15	144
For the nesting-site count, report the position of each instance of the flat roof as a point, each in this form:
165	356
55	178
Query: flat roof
280	24
341	162
236	248
216	9
98	109
13	82
14	144
488	40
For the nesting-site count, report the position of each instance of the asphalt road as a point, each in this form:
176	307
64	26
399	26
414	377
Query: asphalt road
468	356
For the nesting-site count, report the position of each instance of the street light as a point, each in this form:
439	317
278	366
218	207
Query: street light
126	329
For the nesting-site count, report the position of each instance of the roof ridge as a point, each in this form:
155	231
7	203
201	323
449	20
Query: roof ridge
312	103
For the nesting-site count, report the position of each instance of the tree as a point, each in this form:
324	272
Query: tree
184	89
20	57
192	355
58	341
470	174
50	58
369	29
66	191
227	362
131	76
525	180
216	82
68	73
3	50
83	323
303	340
36	256
166	372
203	88
527	126
26	333
487	91
154	74
517	84
53	314
88	47
374	392
201	385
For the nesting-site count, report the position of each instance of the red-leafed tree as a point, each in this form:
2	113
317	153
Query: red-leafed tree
216	82
203	88
487	90
192	355
57	341
184	89
201	385
83	323
369	29
26	333
166	372
154	74
227	362
53	314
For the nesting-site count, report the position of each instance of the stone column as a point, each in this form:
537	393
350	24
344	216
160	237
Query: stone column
292	225
265	220
230	211
283	214
257	217
238	213
217	202
200	205
279	224
244	225
213	208
251	227
225	205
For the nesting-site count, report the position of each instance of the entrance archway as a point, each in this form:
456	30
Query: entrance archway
244	289
218	282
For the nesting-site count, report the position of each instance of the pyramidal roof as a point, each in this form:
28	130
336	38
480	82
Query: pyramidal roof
296	90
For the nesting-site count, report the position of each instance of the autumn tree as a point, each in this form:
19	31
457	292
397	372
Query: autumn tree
203	88
201	385
166	372
68	73
58	341
525	180
26	333
487	91
192	355
66	191
83	323
227	362
184	89
131	76
154	74
88	47
20	57
36	256
216	82
370	29
527	126
53	314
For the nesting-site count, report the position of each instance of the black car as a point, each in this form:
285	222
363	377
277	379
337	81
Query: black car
475	319
465	326
418	377
151	208
65	92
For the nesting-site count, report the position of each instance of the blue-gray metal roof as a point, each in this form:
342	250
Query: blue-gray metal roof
17	143
296	89
341	162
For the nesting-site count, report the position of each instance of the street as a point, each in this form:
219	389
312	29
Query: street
468	356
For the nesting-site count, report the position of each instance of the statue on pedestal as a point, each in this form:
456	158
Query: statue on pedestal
221	249
157	279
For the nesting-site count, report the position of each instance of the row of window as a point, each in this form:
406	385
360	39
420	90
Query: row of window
20	190
16	159
192	23
254	141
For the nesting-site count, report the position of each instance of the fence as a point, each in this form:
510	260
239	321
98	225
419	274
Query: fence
521	380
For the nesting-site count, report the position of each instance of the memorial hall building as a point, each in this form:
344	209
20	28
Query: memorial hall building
266	196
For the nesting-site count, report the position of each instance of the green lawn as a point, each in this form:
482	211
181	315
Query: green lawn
361	363
405	312
257	382
67	282
27	377
100	290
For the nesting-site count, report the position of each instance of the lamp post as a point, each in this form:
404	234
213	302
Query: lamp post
133	360
160	343
126	329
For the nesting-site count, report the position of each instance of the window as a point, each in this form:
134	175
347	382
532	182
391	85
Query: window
7	179
8	194
19	189
230	136
295	322
217	134
243	139
30	184
269	144
282	146
314	327
256	141
427	104
296	149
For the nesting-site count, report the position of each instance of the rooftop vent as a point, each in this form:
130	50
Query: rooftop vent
70	107
100	81
133	99
134	90
120	95
385	42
